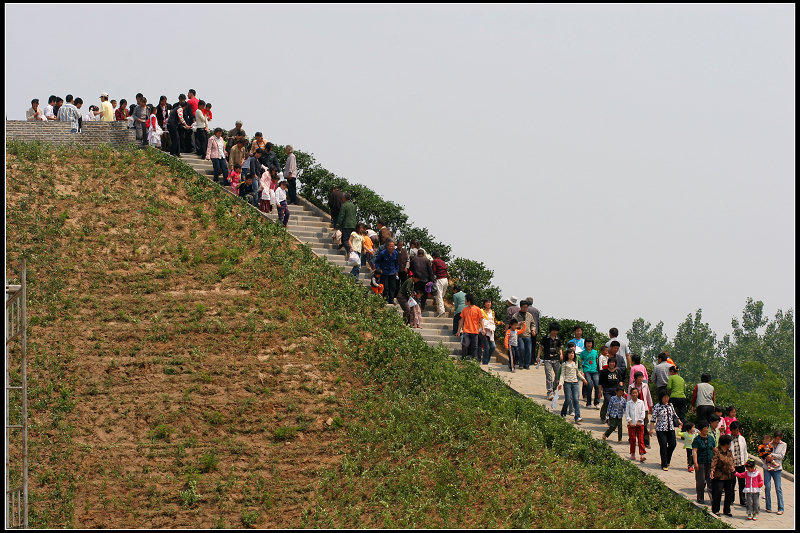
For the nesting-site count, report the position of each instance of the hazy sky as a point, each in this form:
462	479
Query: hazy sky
610	161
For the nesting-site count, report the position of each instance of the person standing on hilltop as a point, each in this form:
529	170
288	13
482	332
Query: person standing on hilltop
290	173
106	109
34	113
201	129
440	273
175	124
469	326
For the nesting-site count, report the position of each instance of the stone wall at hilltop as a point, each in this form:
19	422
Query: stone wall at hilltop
58	133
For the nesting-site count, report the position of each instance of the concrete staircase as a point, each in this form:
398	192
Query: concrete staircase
311	225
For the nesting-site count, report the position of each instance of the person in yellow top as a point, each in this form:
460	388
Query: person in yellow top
106	109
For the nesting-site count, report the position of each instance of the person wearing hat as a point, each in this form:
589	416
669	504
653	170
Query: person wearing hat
512	308
105	108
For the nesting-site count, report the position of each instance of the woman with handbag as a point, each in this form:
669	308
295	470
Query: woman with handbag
355	242
663	421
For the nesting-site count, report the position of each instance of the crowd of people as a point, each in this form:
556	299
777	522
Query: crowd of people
185	127
610	379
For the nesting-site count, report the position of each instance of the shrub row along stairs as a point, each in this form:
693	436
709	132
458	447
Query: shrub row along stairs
312	226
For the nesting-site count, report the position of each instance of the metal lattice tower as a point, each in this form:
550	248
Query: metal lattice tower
17	410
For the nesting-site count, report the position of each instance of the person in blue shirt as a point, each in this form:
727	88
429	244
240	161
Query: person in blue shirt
386	261
589	362
459	303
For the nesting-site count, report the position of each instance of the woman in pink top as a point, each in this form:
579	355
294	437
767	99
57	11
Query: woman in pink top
638	367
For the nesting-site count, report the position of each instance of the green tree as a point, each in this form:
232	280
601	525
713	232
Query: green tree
647	340
694	348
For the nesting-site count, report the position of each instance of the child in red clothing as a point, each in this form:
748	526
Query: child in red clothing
730	416
235	176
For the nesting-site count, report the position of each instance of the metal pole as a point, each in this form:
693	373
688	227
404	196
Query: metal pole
24	326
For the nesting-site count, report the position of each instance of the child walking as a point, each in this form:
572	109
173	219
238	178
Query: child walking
753	481
688	434
416	310
615	412
512	342
634	412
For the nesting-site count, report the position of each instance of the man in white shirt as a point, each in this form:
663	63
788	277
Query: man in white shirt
49	113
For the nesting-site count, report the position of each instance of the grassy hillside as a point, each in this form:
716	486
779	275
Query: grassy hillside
193	366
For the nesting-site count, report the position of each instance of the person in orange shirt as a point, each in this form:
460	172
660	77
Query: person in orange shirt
469	326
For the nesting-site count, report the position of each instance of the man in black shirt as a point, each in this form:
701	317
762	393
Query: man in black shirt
551	354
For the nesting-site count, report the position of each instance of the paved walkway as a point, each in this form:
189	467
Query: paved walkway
531	383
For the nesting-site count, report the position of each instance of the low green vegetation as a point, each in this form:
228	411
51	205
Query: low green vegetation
295	397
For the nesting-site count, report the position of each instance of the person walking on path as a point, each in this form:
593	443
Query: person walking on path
551	354
405	293
688	433
740	456
356	244
335	201
703	445
570	374
486	339
440	273
703	398
459	302
525	342
511	309
722	476
616	410
676	387
421	266
610	381
663	423
661	373
469	327
624	361
535	333
386	261
634	412
773	476
346	221
646	397
589	359
512	342
752	481
637	366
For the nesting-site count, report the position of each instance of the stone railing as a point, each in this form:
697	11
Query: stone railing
56	132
